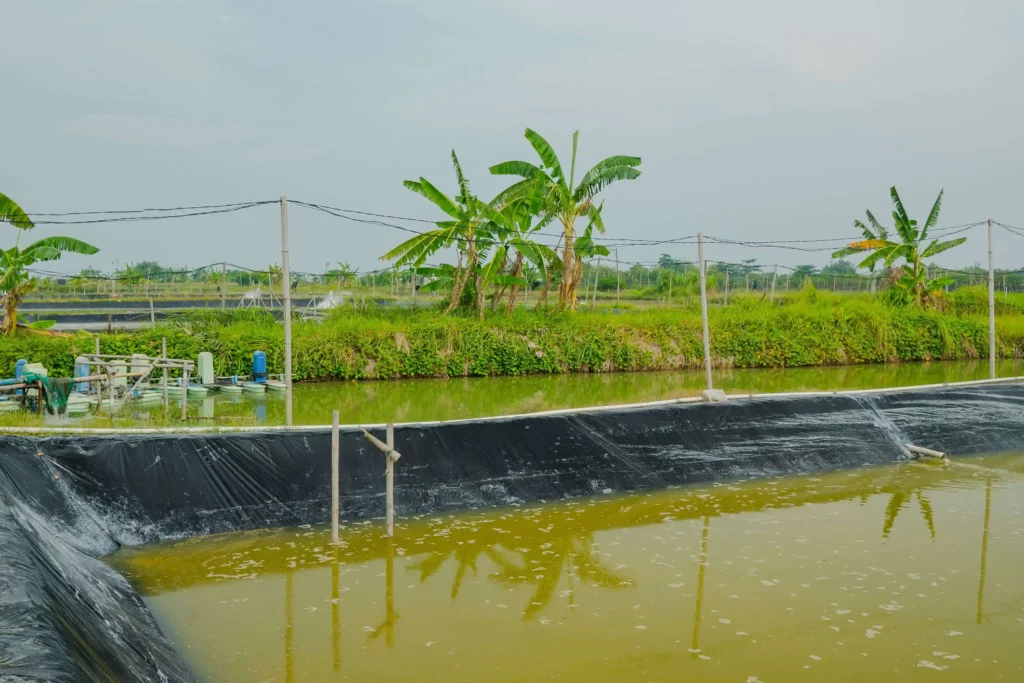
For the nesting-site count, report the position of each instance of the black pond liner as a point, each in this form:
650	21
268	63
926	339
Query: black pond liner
67	500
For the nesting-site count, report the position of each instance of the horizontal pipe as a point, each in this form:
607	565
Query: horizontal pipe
927	452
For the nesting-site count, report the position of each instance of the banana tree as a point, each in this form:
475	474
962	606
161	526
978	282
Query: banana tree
466	226
910	281
15	278
512	228
563	198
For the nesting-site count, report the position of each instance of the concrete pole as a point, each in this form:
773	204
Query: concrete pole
223	284
286	284
390	481
335	474
775	276
991	306
727	285
414	271
703	266
152	313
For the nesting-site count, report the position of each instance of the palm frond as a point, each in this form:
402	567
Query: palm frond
439	198
609	163
603	179
933	216
937	247
11	213
883	232
460	178
64	244
547	155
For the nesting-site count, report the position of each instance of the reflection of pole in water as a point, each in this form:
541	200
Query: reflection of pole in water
389	591
335	616
289	630
388	625
984	549
700	585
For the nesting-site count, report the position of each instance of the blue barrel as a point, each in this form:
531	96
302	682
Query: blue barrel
19	369
259	367
82	370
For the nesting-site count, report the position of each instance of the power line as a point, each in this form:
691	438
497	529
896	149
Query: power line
165	216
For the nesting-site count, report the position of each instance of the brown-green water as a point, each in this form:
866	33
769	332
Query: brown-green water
903	573
417	400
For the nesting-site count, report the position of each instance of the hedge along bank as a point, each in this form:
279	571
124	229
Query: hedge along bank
424	344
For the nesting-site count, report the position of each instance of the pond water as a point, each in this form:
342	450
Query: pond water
415	400
901	573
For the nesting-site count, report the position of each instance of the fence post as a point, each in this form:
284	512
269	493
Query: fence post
390	481
335	474
702	267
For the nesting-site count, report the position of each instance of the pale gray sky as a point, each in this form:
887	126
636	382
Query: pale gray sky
755	120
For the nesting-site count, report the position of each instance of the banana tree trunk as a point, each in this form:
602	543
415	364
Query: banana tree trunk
517	271
567	290
10	302
460	283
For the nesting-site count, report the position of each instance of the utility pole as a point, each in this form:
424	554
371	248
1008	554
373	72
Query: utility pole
704	307
223	284
775	276
991	306
286	284
727	285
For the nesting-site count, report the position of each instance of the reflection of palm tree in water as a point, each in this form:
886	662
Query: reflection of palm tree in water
571	553
900	499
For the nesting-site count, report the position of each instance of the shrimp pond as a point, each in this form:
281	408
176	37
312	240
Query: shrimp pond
908	572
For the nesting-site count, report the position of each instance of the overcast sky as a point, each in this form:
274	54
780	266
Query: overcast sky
755	120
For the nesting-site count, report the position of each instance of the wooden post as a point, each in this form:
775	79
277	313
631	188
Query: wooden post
390	481
97	344
335	474
184	392
152	313
775	276
702	266
110	380
39	397
163	355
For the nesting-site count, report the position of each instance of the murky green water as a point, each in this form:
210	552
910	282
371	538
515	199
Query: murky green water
440	399
903	573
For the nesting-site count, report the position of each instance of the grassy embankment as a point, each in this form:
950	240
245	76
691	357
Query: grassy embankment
810	328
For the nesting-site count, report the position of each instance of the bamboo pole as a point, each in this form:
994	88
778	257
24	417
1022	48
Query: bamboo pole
335	474
388	449
390	481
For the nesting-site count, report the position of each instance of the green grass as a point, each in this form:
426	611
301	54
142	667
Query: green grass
370	342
